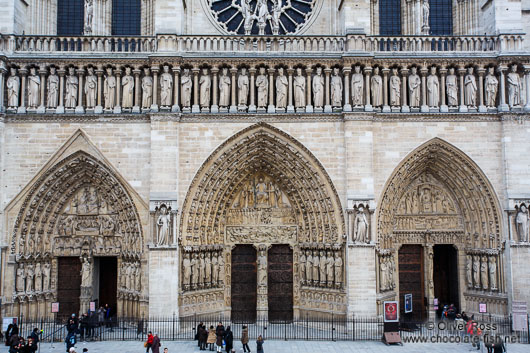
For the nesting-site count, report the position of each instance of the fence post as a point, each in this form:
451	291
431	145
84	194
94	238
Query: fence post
332	327
528	328
353	327
306	327
173	329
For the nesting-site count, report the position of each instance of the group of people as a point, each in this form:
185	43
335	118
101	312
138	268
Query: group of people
17	343
220	338
153	343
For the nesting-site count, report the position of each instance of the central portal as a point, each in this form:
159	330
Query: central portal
244	284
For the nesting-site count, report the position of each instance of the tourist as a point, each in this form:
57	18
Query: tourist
85	350
259	344
201	324
71	340
12	329
229	339
35	336
165	350
219	337
30	347
203	337
149	341
155	347
244	339
211	338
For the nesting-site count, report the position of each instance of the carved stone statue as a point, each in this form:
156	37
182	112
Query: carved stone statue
248	16
38	277
186	271
360	230
493	272
395	89
492	85
484	272
451	84
322	268
476	271
186	83
470	86
147	88
338	269
336	88
72	84
208	270
221	262
318	88
205	85
433	89
430	271
46	270
91	85
86	273
262	268
202	269
109	90
13	88
357	85
127	83
30	273
33	88
309	266
275	18
514	87
224	88
215	269
166	87
263	88
425	13
194	270
163	224
469	271
89	15
302	264
522	220
383	269
391	268
299	89
330	262
316	263
414	87
376	87
20	278
243	86
262	15
137	278
281	89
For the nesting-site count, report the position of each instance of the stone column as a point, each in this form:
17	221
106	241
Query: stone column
271	108
404	106
461	73
308	88
424	106
527	82
2	77
290	106
367	72
327	104
99	108
215	106
22	107
386	107
80	75
262	299
176	89
347	106
233	106
117	108
195	108
42	106
252	88
154	106
443	107
137	91
481	107
60	107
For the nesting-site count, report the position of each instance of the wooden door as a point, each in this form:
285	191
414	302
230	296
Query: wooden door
411	281
280	283
68	285
244	284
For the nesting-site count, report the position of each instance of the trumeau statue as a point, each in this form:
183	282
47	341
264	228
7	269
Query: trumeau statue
357	87
281	89
470	86
72	83
20	278
127	83
263	87
414	87
395	89
318	88
433	89
205	84
243	86
109	89
186	83
163	224
13	88
469	271
224	88
452	88
336	88
33	88
86	273
309	266
299	89
147	88
491	86
91	84
360	231
522	220
484	272
376	87
514	87
338	269
166	86
186	271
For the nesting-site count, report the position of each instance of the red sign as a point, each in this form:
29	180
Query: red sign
55	307
391	311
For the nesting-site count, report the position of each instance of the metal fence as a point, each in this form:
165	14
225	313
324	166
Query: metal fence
304	328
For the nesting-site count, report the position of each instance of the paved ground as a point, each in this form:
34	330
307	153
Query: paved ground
281	347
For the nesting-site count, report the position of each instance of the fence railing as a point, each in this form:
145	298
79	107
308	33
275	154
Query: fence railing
309	329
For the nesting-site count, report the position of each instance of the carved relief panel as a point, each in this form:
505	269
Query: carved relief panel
521	222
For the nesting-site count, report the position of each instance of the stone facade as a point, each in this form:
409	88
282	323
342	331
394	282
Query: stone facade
171	150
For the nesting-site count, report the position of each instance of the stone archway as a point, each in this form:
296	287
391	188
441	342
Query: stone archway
77	212
262	187
437	196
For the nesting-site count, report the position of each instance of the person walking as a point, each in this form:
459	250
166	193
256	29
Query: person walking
149	341
211	338
259	344
244	339
203	337
71	340
229	339
155	348
219	337
201	324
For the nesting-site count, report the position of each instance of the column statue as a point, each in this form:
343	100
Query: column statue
13	88
147	88
262	83
433	89
109	89
316	263
166	87
38	277
202	269
72	83
476	271
205	85
451	83
330	262
470	84
302	267
493	272
221	261
30	273
46	270
127	83
308	267
208	270
469	271
492	85
395	89
194	270
521	223
299	89
20	278
243	86
514	87
336	88
281	89
224	88
414	87
318	88
91	85
33	88
376	87
322	268
338	270
215	269
357	86
186	271
186	83
383	269
484	272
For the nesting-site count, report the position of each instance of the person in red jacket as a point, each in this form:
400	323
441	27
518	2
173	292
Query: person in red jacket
149	342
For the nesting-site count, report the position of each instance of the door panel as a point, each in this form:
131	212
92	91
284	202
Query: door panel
280	283
244	284
411	280
68	285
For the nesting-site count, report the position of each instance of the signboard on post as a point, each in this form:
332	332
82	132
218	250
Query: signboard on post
520	316
482	308
92	306
408	303
55	307
6	321
391	311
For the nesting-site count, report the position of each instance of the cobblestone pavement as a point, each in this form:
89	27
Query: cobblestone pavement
280	347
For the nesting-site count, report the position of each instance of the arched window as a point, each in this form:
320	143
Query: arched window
390	17
126	17
441	17
70	17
